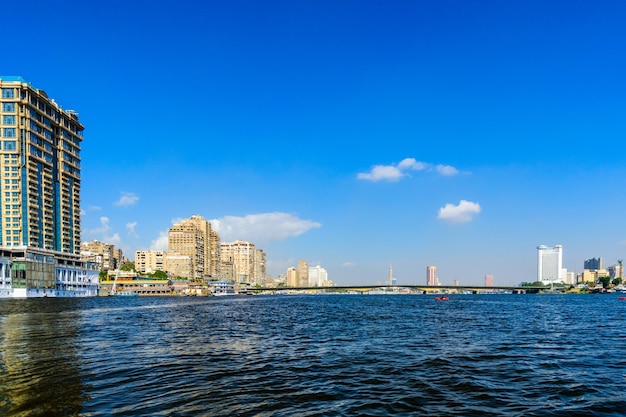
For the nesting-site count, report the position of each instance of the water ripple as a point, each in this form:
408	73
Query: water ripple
314	356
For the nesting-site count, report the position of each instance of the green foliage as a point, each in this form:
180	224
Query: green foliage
533	284
617	281
103	275
158	275
128	266
605	281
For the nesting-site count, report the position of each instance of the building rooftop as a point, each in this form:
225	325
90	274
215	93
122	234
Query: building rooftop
13	78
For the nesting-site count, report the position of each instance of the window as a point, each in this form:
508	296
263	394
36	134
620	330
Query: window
9	132
9	145
8	107
8	93
8	119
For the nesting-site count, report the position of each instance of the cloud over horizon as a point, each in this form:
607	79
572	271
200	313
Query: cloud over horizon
461	213
130	228
394	172
262	228
127	199
102	233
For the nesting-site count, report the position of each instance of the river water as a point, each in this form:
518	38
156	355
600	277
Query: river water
314	355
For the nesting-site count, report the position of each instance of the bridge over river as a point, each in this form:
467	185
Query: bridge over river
425	289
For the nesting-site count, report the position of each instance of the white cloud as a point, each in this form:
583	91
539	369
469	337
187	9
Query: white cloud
127	199
130	228
113	240
83	211
262	228
104	227
348	264
446	170
102	233
160	243
394	172
463	212
382	172
411	163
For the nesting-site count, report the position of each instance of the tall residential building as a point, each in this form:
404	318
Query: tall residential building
214	267
41	168
241	257
192	237
550	264
40	182
179	266
318	276
488	280
431	275
260	266
594	264
291	278
303	274
149	261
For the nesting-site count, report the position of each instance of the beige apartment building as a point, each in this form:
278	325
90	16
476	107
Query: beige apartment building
245	261
179	266
303	273
291	278
214	267
192	237
149	261
107	256
591	276
260	266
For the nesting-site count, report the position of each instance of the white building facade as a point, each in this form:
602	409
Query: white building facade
550	265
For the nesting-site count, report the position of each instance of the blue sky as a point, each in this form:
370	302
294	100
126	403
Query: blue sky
353	134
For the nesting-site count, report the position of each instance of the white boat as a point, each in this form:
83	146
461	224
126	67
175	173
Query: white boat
221	288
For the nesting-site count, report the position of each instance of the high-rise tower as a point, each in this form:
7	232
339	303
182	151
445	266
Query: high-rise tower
192	237
431	275
40	166
40	185
550	264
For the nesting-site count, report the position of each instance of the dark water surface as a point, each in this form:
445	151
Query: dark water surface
327	355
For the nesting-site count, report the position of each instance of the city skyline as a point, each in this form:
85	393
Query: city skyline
356	135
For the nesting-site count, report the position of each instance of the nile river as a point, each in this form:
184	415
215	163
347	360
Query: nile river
325	355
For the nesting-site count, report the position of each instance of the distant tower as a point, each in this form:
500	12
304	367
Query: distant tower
390	275
488	280
431	275
303	273
594	264
550	264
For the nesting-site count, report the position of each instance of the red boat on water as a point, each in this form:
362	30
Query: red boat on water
444	298
621	298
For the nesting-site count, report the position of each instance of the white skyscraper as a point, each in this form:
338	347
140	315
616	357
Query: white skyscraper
317	276
550	264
